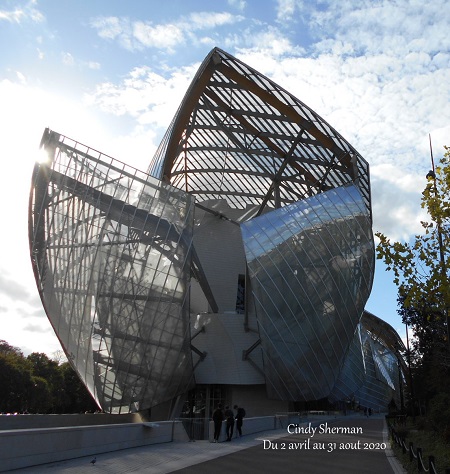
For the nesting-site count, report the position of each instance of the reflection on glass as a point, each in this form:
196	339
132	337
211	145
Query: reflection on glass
311	268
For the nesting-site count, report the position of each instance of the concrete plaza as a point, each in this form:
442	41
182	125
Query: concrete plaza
353	444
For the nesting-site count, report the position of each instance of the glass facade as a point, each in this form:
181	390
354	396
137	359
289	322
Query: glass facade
111	251
372	375
253	221
311	270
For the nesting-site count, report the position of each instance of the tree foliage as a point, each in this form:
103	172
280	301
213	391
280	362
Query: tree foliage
421	267
38	384
15	381
421	273
6	348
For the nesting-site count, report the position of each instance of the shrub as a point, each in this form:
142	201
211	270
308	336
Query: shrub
439	414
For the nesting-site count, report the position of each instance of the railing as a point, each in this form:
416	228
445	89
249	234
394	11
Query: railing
415	455
20	448
202	428
286	418
196	428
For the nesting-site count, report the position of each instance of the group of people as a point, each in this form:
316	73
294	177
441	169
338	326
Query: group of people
230	417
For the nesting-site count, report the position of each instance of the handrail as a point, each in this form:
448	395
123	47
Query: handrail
414	455
301	416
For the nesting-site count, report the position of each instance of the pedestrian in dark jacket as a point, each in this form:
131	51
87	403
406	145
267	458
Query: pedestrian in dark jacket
240	413
229	418
217	419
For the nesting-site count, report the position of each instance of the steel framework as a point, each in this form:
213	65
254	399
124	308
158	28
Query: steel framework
237	135
252	205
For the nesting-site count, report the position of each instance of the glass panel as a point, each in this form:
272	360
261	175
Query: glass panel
112	252
311	268
381	382
352	376
370	374
240	298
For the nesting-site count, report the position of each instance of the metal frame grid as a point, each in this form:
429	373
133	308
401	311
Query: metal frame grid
111	250
239	136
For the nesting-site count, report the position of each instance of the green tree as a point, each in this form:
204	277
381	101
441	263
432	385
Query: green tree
46	394
421	268
40	397
38	384
6	348
75	396
42	365
15	381
427	325
63	388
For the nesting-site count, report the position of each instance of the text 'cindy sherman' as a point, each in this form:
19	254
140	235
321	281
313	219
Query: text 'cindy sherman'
323	428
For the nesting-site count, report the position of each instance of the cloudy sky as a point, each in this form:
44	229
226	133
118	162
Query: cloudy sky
111	74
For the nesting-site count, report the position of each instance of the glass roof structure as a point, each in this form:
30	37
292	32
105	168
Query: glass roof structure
254	214
237	135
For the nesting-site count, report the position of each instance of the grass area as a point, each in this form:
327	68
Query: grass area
432	443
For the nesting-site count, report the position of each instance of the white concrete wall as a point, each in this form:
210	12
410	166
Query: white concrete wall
254	399
32	421
220	249
224	341
24	448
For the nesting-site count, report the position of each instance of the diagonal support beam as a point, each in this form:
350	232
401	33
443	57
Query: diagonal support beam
286	110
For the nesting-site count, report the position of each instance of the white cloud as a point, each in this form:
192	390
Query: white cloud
21	78
67	59
14	16
37	328
150	98
440	137
286	9
383	26
93	65
108	27
268	44
158	36
137	35
238	4
208	20
396	197
21	14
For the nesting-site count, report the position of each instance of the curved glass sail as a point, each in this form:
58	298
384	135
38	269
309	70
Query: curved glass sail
371	373
311	269
111	251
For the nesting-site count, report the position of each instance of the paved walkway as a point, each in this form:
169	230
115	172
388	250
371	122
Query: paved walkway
356	446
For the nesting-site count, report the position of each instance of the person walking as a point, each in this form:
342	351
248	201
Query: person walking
240	414
217	419
229	418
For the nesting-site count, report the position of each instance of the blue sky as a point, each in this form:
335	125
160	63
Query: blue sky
111	74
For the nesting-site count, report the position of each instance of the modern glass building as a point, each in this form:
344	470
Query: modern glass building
236	269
